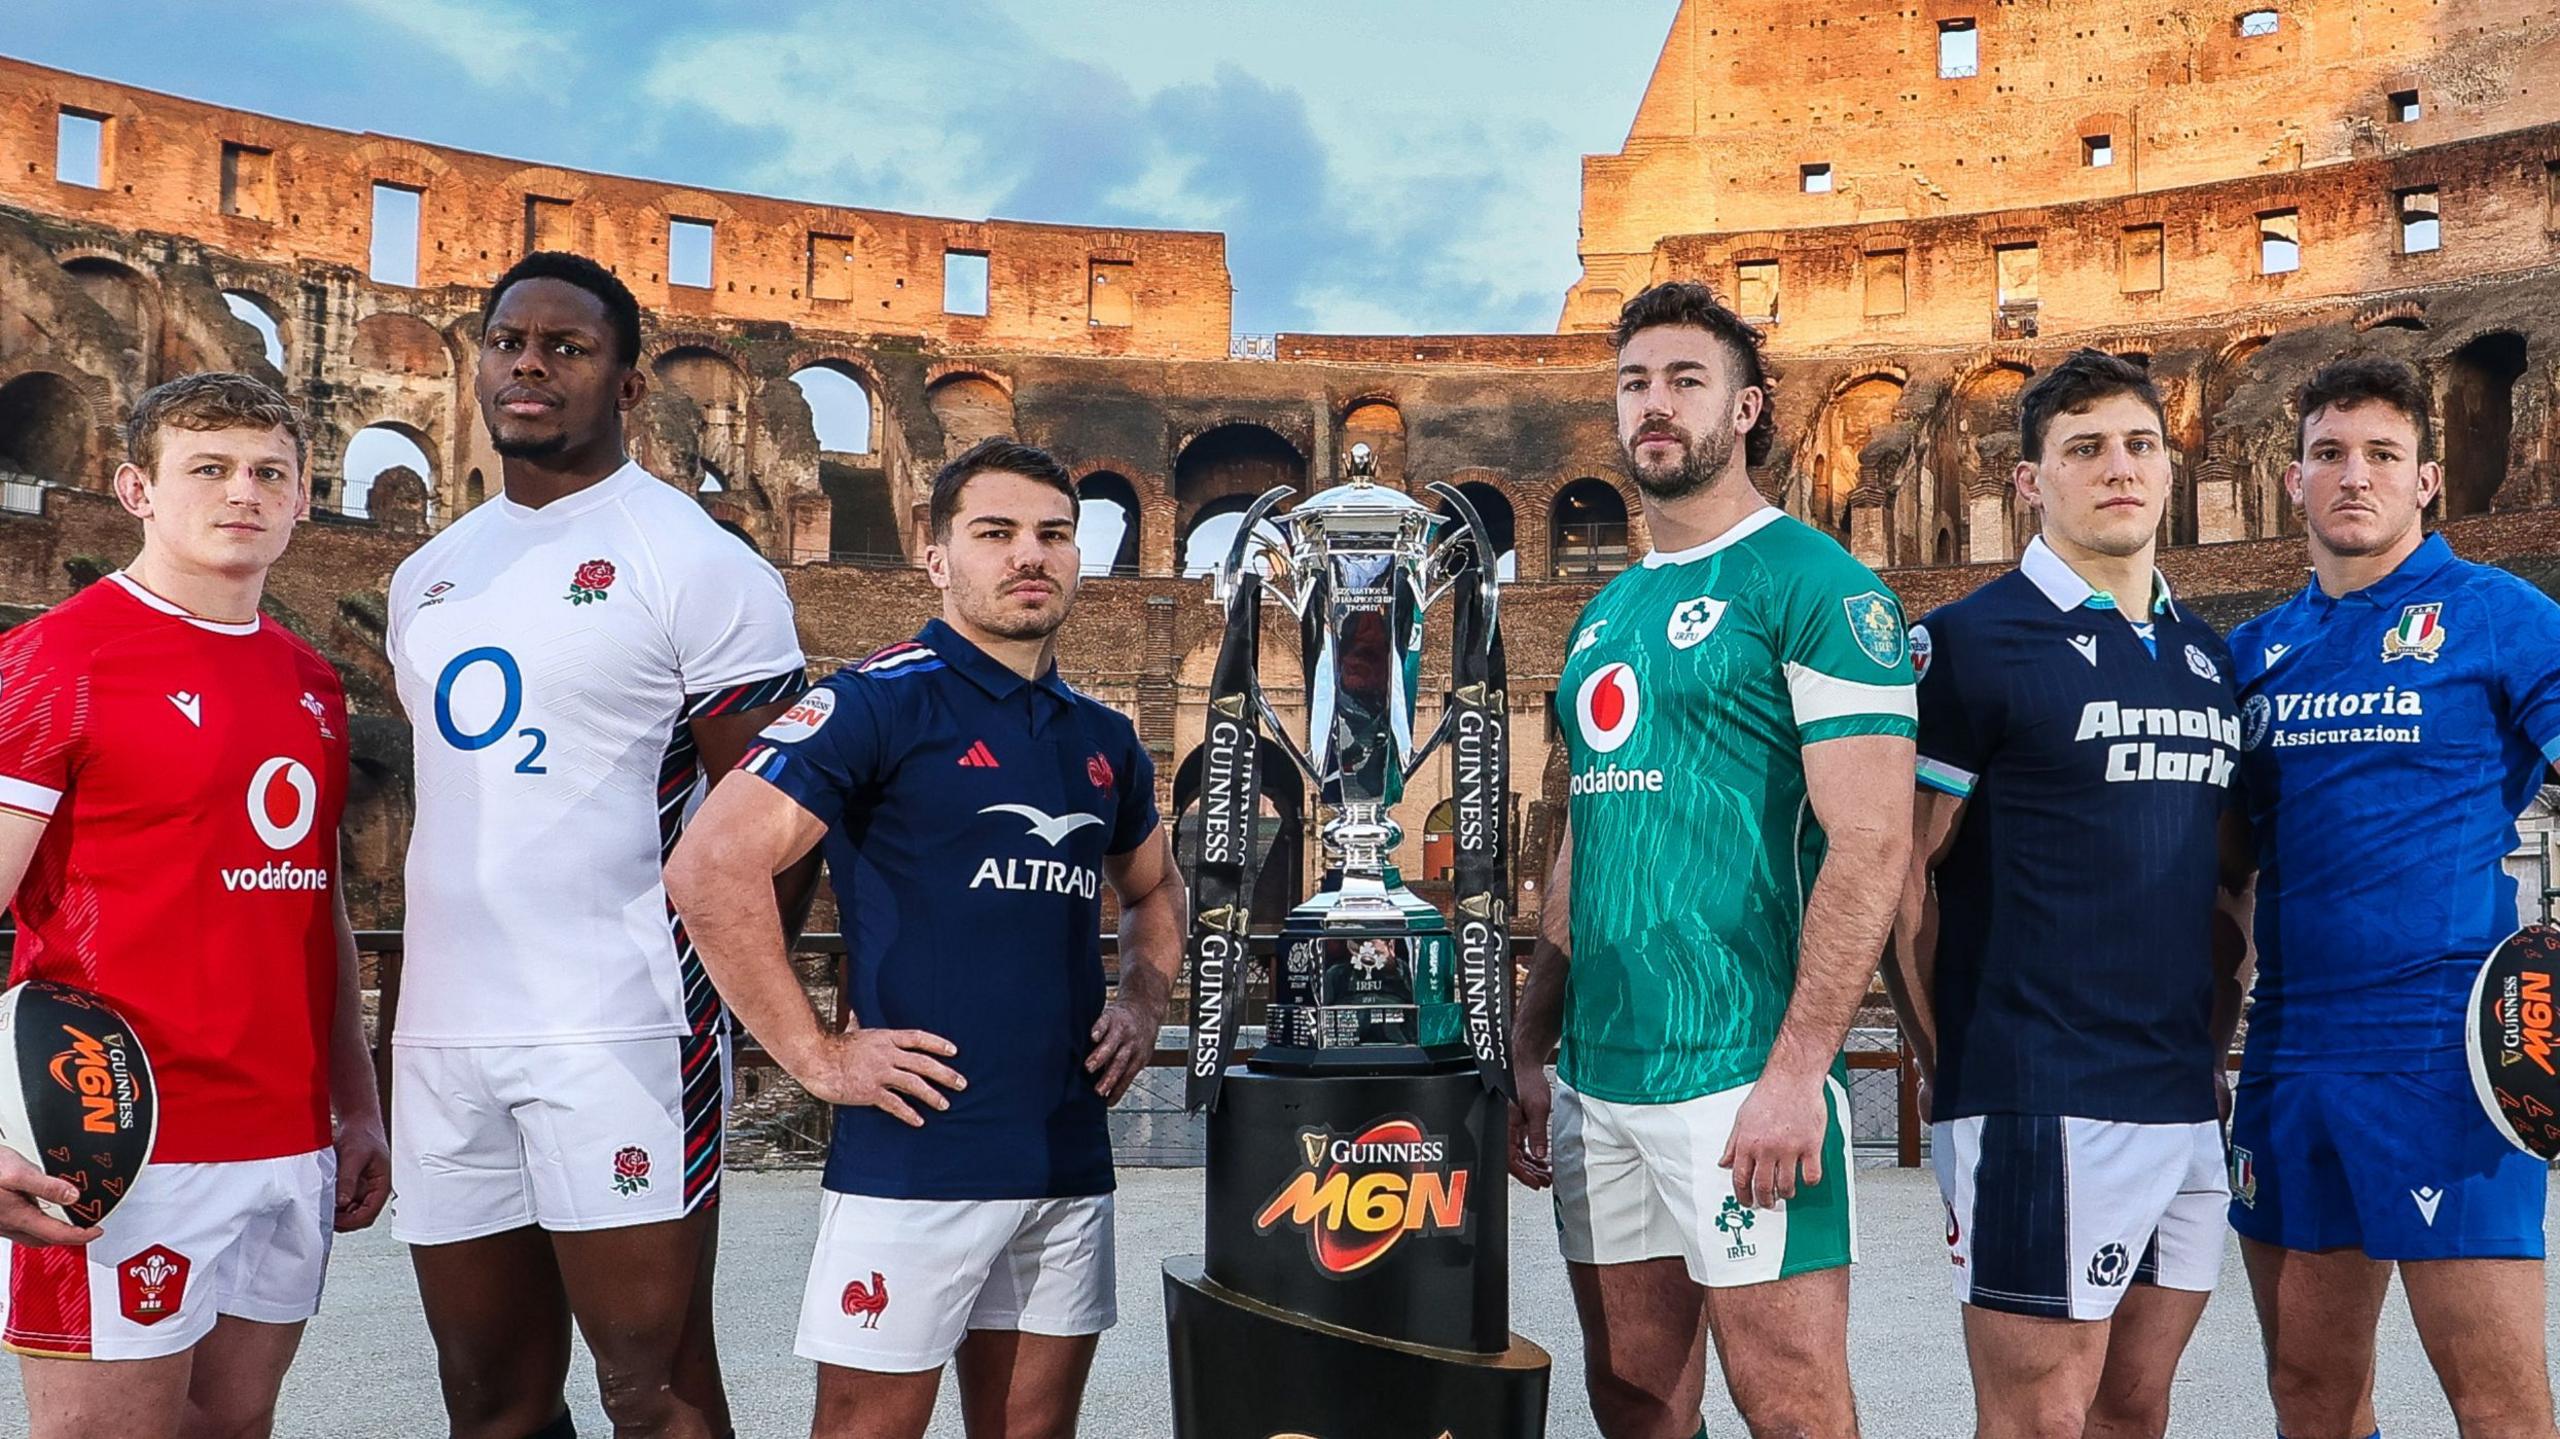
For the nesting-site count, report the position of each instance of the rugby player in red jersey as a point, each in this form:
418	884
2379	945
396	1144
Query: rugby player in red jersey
172	769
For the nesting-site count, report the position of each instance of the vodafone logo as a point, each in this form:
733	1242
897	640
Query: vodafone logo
283	787
1607	707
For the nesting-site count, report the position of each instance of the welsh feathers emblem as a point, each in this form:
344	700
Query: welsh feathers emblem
1875	622
590	582
1693	620
2418	636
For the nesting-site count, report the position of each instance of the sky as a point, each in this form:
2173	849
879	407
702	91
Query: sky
1406	167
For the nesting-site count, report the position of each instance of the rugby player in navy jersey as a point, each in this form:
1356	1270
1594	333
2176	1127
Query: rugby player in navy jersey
2397	714
972	805
2061	969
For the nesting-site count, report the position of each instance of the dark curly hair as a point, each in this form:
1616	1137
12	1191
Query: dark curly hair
587	275
1688	303
2345	384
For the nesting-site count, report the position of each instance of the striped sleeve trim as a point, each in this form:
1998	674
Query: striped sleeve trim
764	761
27	798
2551	751
1818	696
1946	778
901	657
738	699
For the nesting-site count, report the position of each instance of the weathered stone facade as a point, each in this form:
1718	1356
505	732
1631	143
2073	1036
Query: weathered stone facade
1111	347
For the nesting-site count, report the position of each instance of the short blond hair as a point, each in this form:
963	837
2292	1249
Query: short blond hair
213	400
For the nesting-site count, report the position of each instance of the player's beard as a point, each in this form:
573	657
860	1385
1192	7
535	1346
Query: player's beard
524	447
997	616
1702	458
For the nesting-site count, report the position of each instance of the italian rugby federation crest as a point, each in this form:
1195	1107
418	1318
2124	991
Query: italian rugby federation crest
1693	620
2418	636
1877	626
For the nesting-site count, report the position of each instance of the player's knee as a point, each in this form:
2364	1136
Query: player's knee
251	1420
2127	1416
1627	1409
639	1398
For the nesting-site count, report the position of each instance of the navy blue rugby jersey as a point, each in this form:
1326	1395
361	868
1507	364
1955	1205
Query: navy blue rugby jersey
2095	755
2392	735
968	813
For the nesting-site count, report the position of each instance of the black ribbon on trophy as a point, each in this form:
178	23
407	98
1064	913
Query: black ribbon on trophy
1479	799
1222	876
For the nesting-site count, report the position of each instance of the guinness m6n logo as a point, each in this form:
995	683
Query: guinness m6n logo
1357	1195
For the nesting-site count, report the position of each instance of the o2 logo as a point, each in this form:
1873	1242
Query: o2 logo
510	707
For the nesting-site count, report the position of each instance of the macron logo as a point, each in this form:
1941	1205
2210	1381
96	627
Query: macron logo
1052	829
190	705
2087	645
2427	1199
2275	653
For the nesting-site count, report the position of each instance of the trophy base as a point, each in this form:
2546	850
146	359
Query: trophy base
1243	1369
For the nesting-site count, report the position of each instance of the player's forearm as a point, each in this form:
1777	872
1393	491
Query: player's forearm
1151	933
731	915
353	1093
2233	912
1538	1022
1911	968
1846	921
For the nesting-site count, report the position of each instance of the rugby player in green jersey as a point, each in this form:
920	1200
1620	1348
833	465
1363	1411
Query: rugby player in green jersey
1738	713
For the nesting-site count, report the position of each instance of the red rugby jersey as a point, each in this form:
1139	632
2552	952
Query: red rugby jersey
192	774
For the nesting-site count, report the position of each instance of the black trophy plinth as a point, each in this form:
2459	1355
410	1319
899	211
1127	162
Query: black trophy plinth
1357	1280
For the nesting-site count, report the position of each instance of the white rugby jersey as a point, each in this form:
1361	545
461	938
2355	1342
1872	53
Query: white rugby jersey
550	661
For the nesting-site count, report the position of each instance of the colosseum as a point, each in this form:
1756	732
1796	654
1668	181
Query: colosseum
1921	205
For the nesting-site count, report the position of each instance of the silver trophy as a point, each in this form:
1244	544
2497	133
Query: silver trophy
1369	976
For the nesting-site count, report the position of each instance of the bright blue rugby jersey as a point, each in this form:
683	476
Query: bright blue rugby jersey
968	812
2392	736
2075	949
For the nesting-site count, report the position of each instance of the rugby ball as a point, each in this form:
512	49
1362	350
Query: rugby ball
2515	1060
76	1097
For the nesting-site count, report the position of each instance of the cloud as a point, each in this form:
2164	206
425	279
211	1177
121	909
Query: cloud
496	45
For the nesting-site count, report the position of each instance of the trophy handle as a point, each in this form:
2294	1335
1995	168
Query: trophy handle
1248	538
1472	531
1280	735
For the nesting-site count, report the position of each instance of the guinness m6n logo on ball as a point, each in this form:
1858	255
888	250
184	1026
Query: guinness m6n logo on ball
1357	1195
2512	1047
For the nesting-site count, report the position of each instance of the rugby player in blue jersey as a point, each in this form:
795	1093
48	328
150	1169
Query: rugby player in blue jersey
2060	967
2397	714
972	806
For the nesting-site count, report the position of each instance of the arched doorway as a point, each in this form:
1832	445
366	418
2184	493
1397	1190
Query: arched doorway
2479	420
970	408
44	431
839	408
1107	523
378	451
1494	508
254	312
1848	423
1220	473
1587	530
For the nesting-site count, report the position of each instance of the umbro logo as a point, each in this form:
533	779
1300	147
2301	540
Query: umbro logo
979	757
2087	645
190	705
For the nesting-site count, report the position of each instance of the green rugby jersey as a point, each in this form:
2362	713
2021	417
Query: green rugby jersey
1692	683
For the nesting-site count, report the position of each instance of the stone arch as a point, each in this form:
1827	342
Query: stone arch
1107	498
1494	507
131	300
1222	470
1377	422
969	406
264	316
1587	530
2477	429
1976	454
391	343
844	405
385	450
47	431
1859	407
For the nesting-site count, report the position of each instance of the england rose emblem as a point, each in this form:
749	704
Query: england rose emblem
630	1170
592	580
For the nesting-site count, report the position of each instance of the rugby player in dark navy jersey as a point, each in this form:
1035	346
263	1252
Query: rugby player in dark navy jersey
972	806
2397	714
2061	968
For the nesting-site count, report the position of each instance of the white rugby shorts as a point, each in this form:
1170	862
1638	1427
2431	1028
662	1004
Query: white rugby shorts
896	1284
2058	1217
192	1242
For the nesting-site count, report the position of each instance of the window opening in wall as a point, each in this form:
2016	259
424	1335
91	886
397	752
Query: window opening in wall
2254	23
689	253
1755	290
546	224
2097	151
2421	229
2016	267
1111	295
1959	49
2405	107
2143	258
2279	242
831	262
1888	282
79	148
395	234
1815	178
248	181
964	282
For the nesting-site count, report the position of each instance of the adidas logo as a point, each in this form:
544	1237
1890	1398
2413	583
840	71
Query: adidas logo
979	757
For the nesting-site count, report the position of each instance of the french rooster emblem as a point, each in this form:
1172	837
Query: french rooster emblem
868	1301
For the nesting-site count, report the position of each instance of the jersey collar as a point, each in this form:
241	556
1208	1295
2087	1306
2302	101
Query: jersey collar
1743	529
133	587
602	492
2062	584
998	679
2431	555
